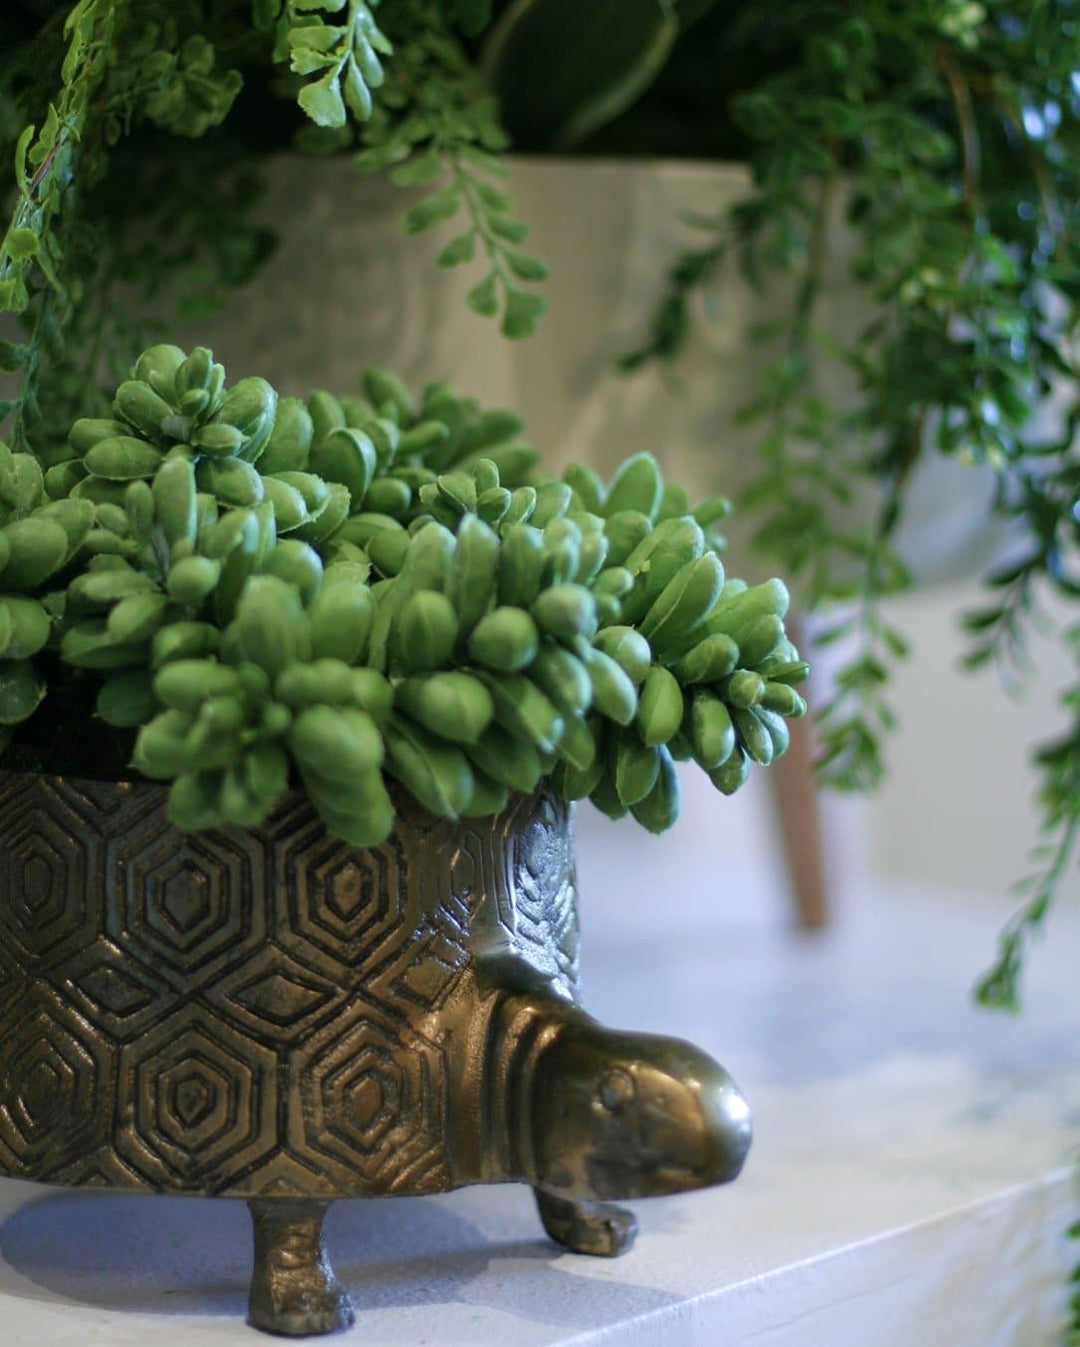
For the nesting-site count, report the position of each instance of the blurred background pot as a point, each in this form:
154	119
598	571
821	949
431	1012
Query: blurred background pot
611	230
346	289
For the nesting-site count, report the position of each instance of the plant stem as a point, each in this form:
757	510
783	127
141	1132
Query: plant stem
969	131
998	988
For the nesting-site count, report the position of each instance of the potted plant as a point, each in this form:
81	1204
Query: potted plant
140	135
204	594
296	695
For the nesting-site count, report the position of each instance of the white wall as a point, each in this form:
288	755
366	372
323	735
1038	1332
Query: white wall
958	805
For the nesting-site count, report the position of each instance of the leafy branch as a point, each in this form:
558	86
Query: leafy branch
38	238
45	157
116	71
999	987
1000	632
437	128
338	62
669	324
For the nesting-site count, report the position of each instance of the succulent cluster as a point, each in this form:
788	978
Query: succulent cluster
37	539
345	590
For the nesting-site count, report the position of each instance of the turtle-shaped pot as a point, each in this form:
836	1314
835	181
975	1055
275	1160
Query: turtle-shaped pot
275	1015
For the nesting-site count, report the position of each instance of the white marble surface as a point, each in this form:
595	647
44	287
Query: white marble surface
908	1182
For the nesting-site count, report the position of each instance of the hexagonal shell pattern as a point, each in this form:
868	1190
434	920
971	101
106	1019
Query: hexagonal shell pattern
254	1013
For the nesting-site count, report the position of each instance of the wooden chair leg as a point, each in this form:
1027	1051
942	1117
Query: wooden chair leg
795	798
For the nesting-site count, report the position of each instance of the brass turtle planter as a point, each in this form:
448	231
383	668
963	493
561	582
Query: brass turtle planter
273	1015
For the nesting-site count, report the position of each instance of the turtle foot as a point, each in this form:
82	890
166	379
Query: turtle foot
294	1291
598	1228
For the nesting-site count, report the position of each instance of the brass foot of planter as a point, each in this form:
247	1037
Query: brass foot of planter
294	1291
598	1228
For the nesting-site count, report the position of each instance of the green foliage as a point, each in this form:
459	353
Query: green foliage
190	96
96	197
137	139
946	135
137	136
437	128
248	581
37	540
338	63
46	155
355	589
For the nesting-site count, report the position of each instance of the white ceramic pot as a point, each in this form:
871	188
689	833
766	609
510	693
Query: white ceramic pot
610	231
346	290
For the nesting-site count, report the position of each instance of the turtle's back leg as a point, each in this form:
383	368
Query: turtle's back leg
294	1291
599	1228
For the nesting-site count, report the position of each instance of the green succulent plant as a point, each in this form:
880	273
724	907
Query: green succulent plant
351	592
38	538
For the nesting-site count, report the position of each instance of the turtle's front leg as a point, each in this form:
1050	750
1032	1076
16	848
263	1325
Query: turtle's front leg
294	1291
599	1228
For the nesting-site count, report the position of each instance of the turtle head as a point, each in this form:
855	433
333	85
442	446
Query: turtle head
627	1115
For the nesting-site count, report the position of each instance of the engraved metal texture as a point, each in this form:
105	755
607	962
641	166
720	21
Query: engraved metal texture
260	1013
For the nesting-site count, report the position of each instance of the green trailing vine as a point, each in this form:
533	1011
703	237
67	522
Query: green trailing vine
59	257
47	157
437	129
35	250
